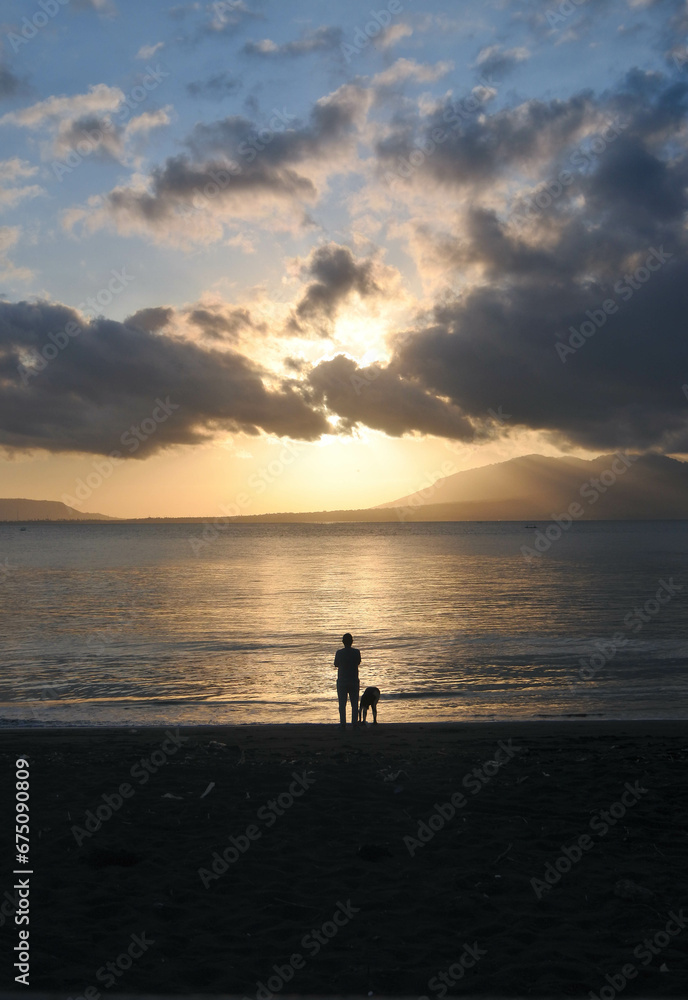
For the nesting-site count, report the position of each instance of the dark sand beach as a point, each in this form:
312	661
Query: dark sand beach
561	871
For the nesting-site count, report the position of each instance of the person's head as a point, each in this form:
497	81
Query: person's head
347	639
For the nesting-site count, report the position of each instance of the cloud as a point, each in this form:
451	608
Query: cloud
227	18
105	7
187	201
497	348
88	121
333	122
338	274
88	131
522	258
9	83
380	398
90	4
536	274
223	323
146	121
322	39
478	149
181	10
152	319
239	170
109	376
213	318
9	237
148	51
216	320
409	70
219	19
104	138
52	110
11	193
558	23
393	34
500	61
215	87
673	37
14	169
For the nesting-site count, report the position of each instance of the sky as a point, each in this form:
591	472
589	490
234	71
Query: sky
264	256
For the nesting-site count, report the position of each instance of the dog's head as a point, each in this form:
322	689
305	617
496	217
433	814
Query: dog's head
369	698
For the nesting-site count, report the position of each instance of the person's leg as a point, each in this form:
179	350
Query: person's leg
341	695
353	694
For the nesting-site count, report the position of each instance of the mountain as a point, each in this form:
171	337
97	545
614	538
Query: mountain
534	488
44	510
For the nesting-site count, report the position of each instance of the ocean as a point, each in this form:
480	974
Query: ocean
116	624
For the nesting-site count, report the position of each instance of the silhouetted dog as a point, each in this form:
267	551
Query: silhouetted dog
369	699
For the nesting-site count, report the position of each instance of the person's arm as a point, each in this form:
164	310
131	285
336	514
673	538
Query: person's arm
359	657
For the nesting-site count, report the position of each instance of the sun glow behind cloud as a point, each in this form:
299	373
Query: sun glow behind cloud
363	337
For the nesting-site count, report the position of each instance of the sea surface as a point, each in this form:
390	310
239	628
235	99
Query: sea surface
104	624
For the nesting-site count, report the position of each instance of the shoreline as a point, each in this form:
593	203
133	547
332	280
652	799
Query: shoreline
679	726
310	518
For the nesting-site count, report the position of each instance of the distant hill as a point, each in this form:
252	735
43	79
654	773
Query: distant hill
44	510
534	487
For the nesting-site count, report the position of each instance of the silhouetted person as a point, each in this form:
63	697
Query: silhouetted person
346	661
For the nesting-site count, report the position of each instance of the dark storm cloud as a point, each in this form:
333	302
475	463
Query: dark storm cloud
214	87
622	388
151	320
337	275
630	178
614	234
224	324
476	149
379	398
322	39
655	105
108	376
238	159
